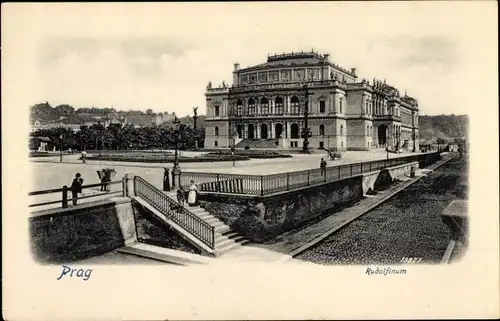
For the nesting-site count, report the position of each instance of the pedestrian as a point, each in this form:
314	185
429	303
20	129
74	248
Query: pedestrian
84	156
323	166
192	195
105	179
76	187
181	196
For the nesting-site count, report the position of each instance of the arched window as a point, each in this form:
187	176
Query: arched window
239	107
294	104
279	105
322	130
216	131
341	143
367	130
341	129
340	105
264	106
251	106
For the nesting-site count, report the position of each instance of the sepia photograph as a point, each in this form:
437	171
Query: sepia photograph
292	135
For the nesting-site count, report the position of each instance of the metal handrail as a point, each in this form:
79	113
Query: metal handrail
65	190
273	183
175	211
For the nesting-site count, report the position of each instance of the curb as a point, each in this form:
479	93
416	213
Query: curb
320	238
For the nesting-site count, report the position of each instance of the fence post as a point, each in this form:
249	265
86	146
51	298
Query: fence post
261	185
125	185
339	172
351	169
287	181
308	181
65	197
217	185
361	171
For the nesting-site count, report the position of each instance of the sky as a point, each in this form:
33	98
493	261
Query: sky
161	56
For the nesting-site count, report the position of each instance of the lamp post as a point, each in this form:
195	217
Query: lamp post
60	147
387	141
195	117
175	169
306	132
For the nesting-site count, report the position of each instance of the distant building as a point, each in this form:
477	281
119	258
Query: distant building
37	126
266	103
163	118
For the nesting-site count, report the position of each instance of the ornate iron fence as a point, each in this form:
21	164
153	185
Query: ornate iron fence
175	212
274	183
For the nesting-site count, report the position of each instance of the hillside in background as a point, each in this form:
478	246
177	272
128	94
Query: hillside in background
447	127
66	114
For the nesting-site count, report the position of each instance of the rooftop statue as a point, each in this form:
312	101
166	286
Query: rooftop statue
195	111
209	86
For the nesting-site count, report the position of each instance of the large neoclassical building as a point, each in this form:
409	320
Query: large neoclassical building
264	108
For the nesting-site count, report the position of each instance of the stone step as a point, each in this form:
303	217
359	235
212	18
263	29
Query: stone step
226	248
231	234
219	224
240	239
212	220
221	243
222	229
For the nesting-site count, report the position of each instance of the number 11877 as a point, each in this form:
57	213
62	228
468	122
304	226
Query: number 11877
410	260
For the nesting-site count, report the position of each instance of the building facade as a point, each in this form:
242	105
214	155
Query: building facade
264	108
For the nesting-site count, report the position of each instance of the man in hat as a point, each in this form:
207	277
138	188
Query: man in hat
76	187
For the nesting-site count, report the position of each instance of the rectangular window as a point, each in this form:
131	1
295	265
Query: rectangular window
215	143
340	105
321	145
216	111
322	106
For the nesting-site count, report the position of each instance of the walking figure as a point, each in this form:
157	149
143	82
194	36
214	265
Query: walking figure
323	167
181	196
76	187
192	195
84	156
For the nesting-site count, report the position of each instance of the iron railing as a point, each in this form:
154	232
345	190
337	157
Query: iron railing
175	212
65	190
274	183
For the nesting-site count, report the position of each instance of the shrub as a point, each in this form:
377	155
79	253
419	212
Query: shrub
161	158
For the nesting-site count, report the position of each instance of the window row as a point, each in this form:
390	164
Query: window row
278	105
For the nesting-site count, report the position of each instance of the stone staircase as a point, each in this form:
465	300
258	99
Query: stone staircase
258	143
225	238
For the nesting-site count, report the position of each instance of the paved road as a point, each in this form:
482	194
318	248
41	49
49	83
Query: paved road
408	225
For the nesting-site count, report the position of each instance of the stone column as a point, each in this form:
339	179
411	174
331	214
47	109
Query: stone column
258	131
271	130
335	106
287	129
